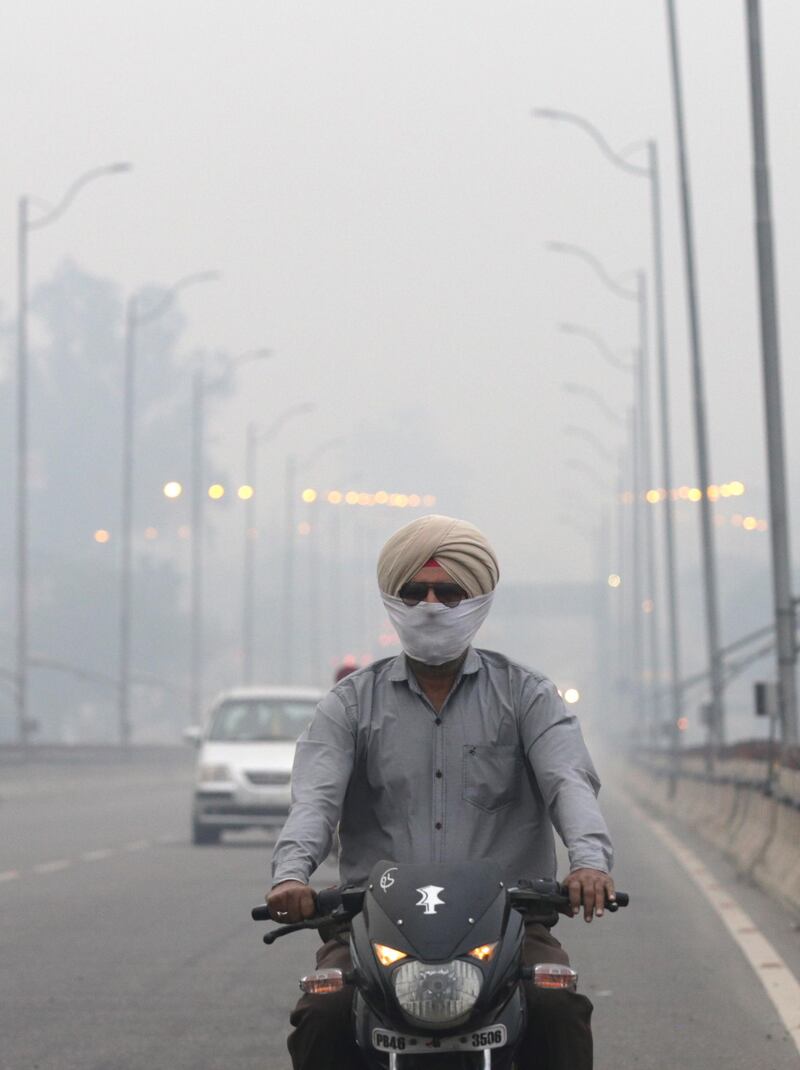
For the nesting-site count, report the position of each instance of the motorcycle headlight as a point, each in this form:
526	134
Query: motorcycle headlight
437	994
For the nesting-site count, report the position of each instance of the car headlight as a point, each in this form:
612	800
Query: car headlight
437	994
214	773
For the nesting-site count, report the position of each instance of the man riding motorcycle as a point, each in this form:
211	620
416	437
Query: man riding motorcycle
445	753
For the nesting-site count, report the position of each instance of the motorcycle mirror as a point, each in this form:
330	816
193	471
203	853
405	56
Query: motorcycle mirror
323	982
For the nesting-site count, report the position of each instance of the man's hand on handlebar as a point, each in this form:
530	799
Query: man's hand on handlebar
592	887
291	901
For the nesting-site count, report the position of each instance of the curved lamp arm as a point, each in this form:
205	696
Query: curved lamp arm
581	466
323	447
74	190
595	265
164	303
272	430
593	440
618	159
577	388
602	346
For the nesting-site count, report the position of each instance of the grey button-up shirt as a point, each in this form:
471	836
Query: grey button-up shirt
488	777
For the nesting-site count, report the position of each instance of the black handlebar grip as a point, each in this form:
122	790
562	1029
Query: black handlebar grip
261	913
621	899
328	900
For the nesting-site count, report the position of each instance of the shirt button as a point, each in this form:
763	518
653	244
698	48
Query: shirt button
439	772
438	825
438	720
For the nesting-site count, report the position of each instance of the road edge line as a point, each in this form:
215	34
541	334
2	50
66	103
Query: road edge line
780	984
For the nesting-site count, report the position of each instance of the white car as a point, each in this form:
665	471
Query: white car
244	766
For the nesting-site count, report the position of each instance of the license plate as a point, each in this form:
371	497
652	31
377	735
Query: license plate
385	1040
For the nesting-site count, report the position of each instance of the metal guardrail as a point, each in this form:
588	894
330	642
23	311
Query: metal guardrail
777	777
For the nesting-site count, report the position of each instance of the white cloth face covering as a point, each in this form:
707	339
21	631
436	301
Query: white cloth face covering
433	633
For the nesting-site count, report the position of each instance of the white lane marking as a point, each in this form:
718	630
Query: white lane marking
88	856
52	867
781	985
96	856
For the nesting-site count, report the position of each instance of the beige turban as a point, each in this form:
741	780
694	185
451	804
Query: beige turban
459	547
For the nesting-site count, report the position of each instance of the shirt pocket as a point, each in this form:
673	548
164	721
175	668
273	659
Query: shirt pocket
492	775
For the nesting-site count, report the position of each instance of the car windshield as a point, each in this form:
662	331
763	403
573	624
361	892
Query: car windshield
256	720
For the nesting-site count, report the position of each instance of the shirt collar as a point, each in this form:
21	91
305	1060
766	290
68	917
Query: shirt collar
400	670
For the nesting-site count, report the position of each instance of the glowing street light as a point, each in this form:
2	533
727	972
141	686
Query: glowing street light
173	489
572	695
216	491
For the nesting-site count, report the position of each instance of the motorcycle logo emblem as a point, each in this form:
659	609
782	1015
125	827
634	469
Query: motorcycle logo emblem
430	898
387	880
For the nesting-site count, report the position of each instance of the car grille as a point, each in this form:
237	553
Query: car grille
262	777
243	810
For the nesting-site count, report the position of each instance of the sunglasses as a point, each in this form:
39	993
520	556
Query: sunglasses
416	591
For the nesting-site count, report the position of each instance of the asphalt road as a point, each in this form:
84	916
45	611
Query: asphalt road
125	948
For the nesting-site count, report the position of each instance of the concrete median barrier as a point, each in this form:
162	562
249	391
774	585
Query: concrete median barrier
51	770
758	833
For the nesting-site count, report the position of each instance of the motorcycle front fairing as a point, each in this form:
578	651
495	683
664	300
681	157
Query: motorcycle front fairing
436	915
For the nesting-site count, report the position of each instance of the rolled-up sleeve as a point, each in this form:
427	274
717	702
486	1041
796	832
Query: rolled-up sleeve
322	768
567	779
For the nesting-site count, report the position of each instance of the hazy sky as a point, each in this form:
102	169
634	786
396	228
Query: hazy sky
369	181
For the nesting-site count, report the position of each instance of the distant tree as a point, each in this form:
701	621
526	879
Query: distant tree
76	384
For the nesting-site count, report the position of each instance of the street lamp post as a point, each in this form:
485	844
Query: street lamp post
784	605
135	317
25	224
652	173
717	720
254	438
652	606
637	651
643	457
633	479
196	573
293	467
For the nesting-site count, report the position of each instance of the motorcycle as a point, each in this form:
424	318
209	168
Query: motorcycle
437	961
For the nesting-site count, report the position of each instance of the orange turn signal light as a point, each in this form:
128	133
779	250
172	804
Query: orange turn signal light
322	982
387	956
554	975
482	953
